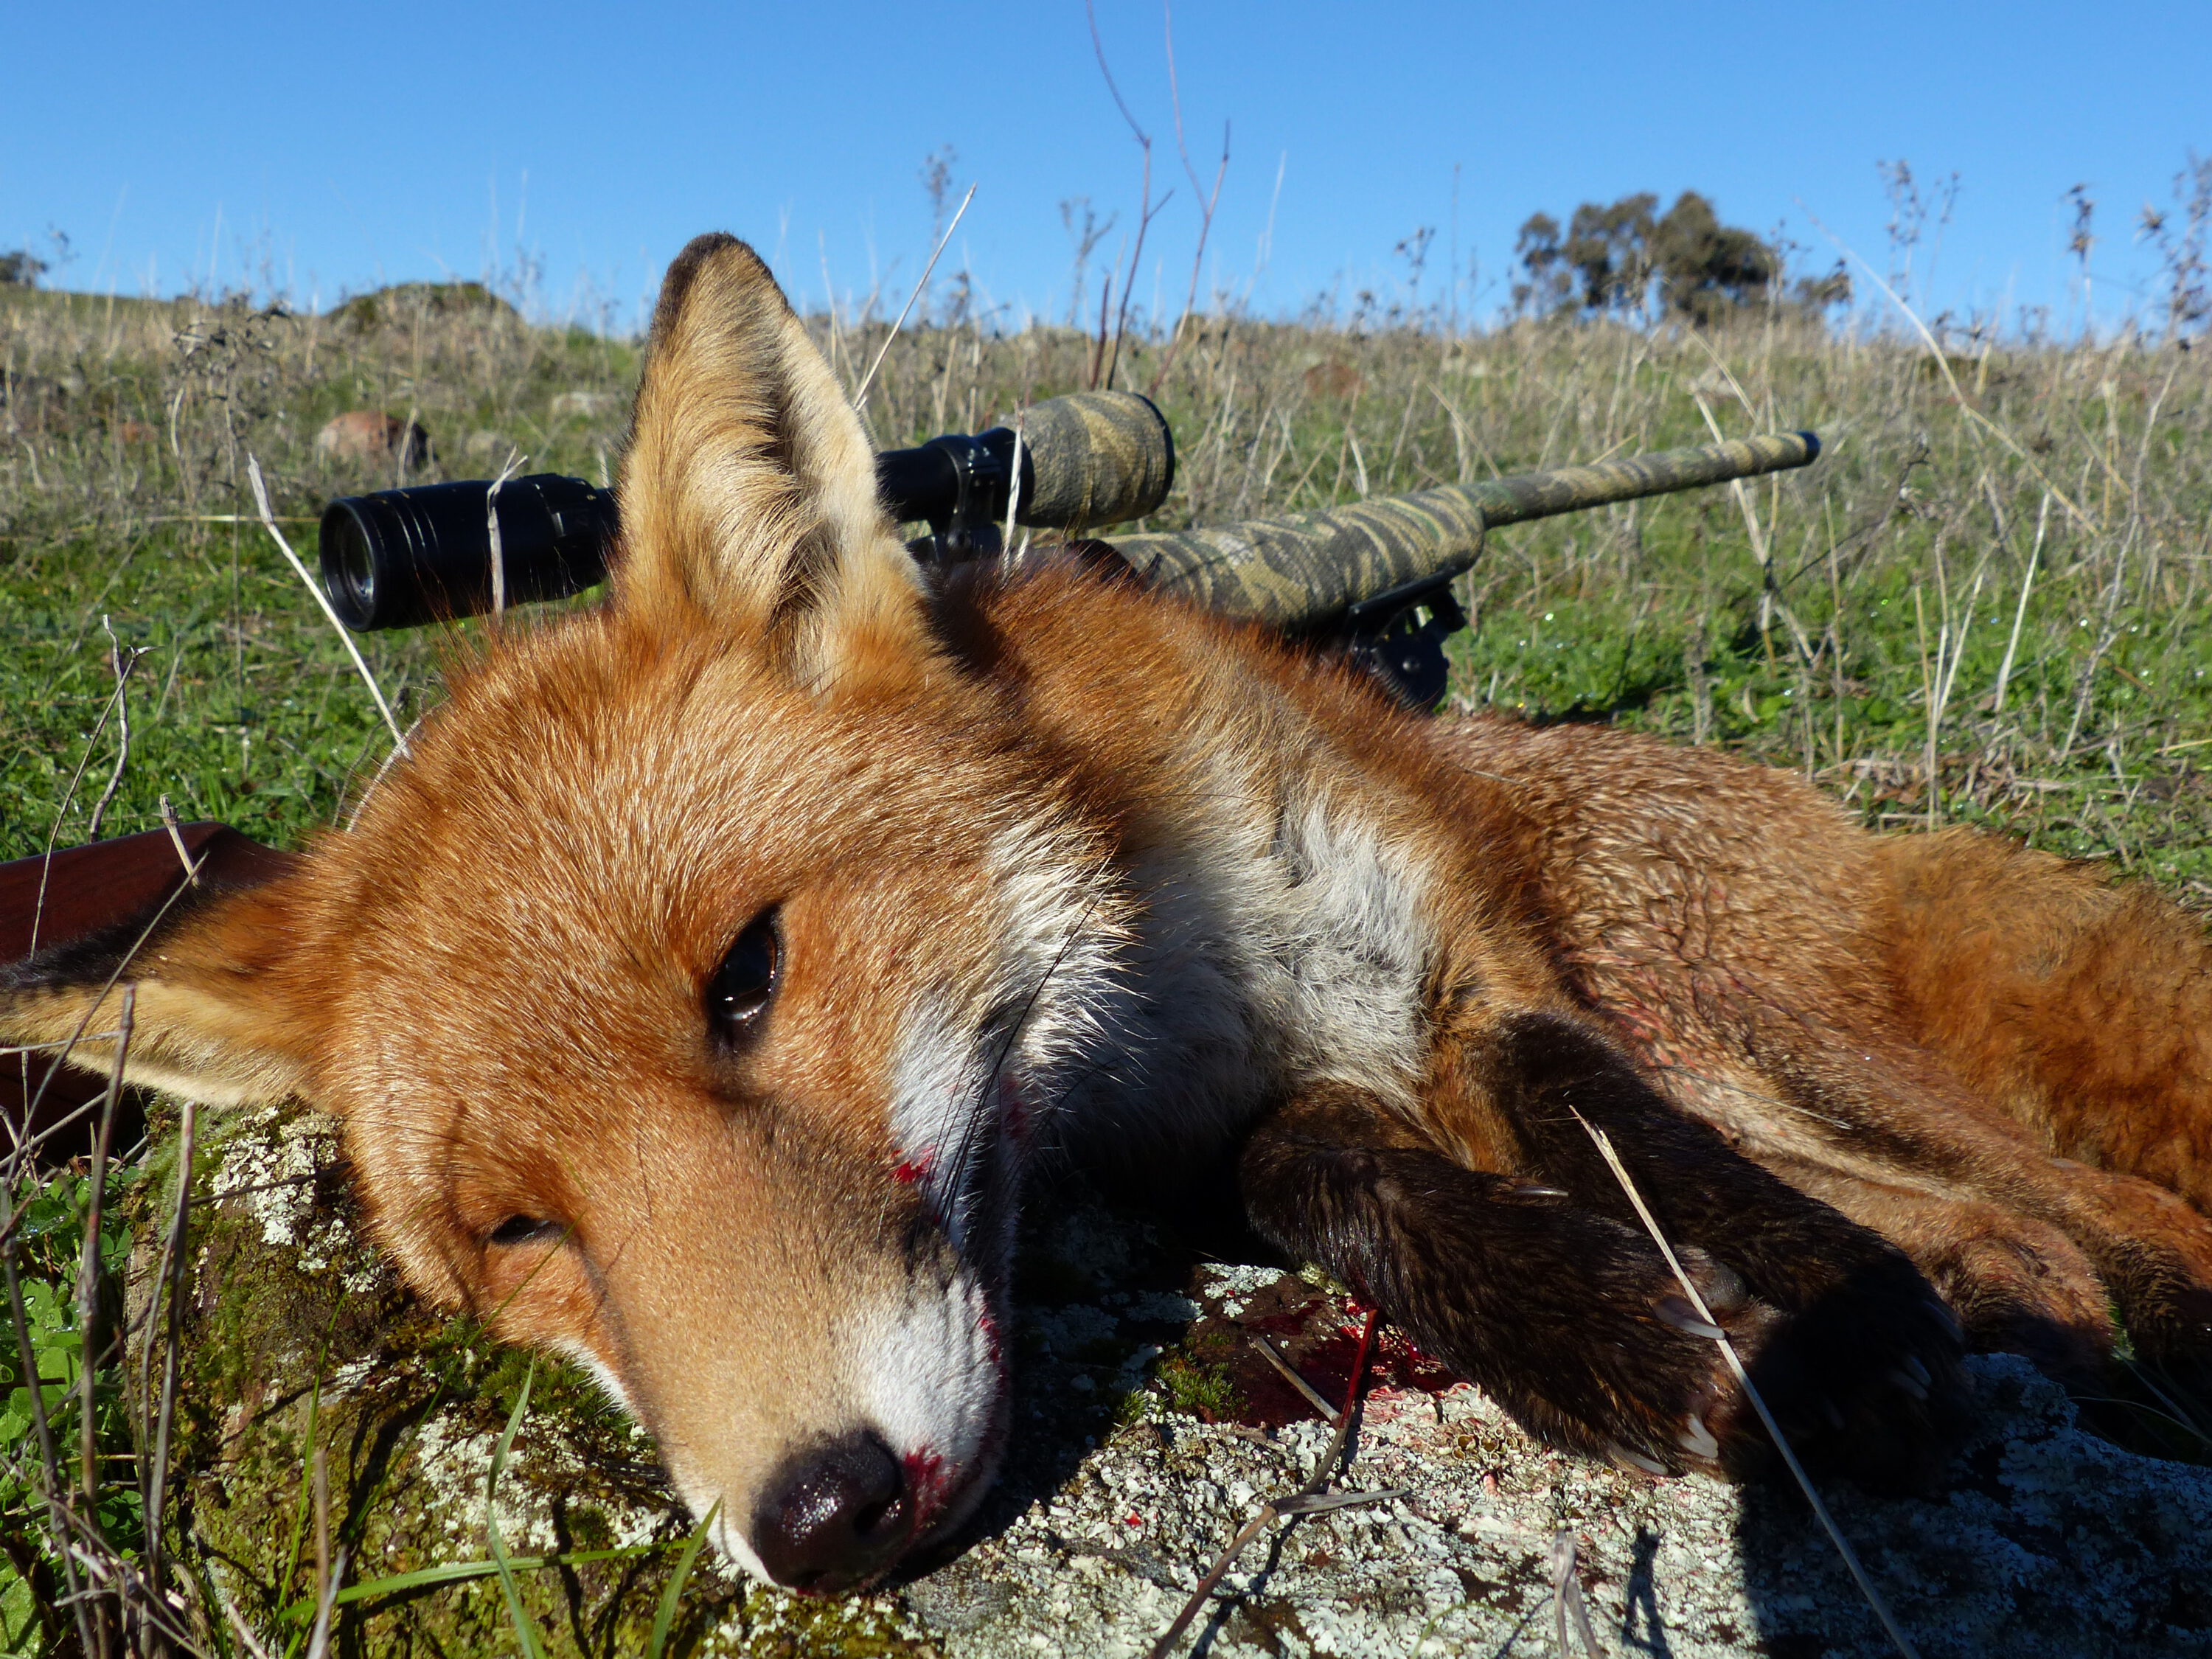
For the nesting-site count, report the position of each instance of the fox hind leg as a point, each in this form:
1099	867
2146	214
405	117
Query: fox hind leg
2083	1010
2082	1007
2017	1285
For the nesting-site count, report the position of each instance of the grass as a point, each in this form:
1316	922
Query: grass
1987	604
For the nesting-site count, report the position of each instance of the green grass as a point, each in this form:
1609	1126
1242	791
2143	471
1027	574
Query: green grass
1866	650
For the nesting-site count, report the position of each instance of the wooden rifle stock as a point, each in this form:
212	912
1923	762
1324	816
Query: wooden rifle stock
57	899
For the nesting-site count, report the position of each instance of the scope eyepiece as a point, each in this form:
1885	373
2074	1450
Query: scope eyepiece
401	557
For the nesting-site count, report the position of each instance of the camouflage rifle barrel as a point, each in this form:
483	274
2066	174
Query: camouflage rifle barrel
1302	572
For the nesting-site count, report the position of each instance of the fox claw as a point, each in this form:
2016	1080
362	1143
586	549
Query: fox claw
1697	1440
1633	1460
1684	1318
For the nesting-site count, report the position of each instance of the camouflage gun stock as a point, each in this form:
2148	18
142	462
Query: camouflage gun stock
1361	571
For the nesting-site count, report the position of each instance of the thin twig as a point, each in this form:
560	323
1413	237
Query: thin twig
2020	613
1147	209
122	661
512	465
860	396
1696	1300
57	1514
1567	1601
175	1244
87	1273
176	840
1269	1352
1308	1499
320	1641
314	587
54	830
1014	494
1207	203
104	1036
244	1634
328	1574
19	1158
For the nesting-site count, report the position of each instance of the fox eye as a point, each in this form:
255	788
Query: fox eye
525	1229
741	991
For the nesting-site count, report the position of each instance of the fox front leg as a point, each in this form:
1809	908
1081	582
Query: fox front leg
1859	1359
1571	1321
1559	1305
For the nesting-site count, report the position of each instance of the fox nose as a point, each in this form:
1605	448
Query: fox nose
834	1517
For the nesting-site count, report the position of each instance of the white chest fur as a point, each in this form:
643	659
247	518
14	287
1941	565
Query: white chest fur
1276	947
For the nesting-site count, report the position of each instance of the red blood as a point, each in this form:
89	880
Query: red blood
989	1327
1014	1107
926	1479
916	1169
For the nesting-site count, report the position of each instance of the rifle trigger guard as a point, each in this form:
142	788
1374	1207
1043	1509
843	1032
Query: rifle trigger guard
1388	636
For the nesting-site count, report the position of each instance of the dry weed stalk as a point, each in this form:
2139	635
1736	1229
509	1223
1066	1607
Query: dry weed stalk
920	286
1874	1597
123	660
1309	1499
322	600
1570	1608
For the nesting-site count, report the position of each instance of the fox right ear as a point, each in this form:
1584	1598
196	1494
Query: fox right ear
749	490
220	1015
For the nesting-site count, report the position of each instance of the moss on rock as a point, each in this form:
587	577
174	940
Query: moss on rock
298	1339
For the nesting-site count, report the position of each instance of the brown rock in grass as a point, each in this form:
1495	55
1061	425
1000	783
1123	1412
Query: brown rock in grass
370	434
1333	382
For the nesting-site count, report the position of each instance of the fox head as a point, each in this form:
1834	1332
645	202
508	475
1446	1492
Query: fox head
694	987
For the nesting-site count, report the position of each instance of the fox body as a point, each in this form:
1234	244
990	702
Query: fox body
701	985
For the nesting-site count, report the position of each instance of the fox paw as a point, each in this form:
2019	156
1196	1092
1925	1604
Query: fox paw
1640	1378
1864	1381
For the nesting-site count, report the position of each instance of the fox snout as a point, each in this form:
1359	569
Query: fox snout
854	1491
835	1517
842	1507
817	1359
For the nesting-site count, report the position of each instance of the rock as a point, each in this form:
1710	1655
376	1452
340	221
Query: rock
1117	1495
584	404
1333	382
485	445
401	304
370	434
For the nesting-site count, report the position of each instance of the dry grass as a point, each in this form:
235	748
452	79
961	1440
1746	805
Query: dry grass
1856	622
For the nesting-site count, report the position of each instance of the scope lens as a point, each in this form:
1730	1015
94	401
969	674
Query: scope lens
349	565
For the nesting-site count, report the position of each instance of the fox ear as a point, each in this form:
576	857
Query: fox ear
218	1014
749	490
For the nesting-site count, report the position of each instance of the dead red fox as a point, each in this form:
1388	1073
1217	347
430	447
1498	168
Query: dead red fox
699	989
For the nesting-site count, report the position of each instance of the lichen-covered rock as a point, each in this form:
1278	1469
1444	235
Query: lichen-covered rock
298	1339
1150	1427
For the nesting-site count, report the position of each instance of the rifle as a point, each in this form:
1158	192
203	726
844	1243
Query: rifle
1372	579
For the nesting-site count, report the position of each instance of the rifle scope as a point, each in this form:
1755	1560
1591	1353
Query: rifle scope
399	557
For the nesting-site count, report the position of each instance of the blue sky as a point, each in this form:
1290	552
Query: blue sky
327	149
